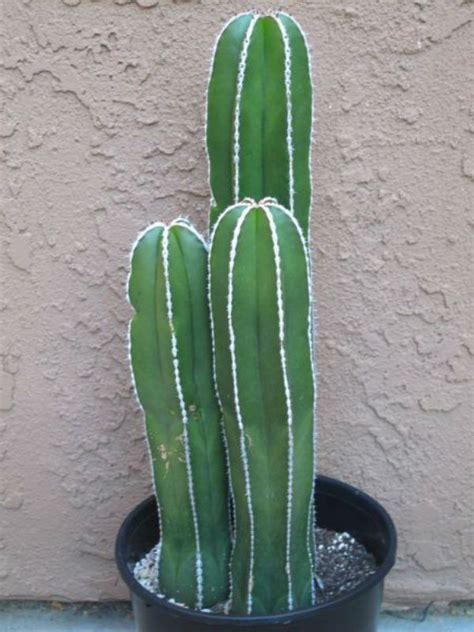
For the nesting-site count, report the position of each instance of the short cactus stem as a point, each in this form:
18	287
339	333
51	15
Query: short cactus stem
171	356
261	319
259	115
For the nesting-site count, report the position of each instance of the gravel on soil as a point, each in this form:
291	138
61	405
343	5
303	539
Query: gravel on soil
342	564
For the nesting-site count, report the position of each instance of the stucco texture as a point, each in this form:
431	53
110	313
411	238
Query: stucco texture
102	132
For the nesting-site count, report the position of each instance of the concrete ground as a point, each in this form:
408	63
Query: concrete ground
57	617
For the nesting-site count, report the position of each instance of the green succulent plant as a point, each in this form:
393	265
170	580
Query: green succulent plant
221	342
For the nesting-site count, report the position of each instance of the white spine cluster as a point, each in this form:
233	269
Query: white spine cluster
289	406
240	422
238	100
184	418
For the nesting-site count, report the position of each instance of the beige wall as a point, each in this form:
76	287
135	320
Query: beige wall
102	132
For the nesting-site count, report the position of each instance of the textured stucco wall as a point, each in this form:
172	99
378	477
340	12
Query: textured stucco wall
102	132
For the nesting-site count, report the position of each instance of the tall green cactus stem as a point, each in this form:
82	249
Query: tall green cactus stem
261	323
259	115
171	356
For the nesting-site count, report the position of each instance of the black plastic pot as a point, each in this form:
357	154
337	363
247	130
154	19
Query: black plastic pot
339	507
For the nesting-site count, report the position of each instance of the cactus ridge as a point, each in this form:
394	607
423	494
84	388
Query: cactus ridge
232	515
311	532
238	100
240	422
289	407
289	114
184	414
251	204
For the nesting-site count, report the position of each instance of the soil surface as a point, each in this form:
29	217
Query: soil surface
342	564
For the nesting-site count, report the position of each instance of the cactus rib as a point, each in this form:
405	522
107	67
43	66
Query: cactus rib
289	115
311	533
238	100
238	412
289	407
184	417
232	516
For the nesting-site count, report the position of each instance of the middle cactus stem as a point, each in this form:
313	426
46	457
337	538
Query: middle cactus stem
261	319
259	115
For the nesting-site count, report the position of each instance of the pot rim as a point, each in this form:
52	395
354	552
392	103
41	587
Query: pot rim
336	489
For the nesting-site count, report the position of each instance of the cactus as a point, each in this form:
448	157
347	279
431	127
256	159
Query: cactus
259	115
260	300
221	342
170	345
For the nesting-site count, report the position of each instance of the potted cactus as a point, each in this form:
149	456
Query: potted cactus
221	348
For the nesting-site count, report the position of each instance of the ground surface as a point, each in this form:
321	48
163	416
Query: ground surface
32	617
